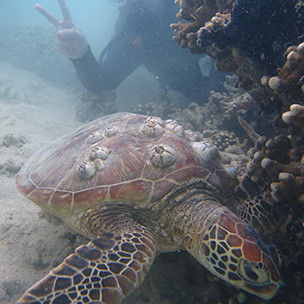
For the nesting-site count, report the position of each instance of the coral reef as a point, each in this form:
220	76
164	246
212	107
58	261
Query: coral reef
250	39
261	42
275	176
235	25
216	120
91	106
196	118
249	28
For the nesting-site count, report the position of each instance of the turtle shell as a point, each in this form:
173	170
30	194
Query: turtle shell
121	157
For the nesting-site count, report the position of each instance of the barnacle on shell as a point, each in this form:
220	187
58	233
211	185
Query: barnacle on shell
205	151
153	126
162	156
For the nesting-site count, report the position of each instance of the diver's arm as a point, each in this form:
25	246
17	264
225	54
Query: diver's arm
92	76
73	44
121	59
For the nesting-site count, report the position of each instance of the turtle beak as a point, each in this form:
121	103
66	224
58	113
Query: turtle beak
265	292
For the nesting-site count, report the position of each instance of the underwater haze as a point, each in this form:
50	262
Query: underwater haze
209	163
27	39
96	18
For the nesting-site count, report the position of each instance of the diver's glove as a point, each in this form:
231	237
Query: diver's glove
69	38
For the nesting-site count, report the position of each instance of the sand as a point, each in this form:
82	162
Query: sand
32	113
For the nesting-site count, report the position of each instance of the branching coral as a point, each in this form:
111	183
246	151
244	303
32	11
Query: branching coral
241	34
277	167
295	115
196	13
275	179
292	71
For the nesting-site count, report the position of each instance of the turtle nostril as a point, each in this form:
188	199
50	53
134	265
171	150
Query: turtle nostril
250	273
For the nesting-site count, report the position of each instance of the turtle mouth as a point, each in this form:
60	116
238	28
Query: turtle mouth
254	278
264	291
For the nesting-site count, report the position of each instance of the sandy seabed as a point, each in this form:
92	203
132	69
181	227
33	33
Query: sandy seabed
32	113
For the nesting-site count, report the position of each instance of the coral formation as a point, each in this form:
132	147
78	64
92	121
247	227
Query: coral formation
290	184
205	119
276	172
91	106
234	24
295	115
244	37
196	13
217	119
292	70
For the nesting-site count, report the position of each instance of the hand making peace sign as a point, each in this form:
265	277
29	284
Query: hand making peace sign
69	38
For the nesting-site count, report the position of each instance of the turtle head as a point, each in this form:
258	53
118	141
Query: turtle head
242	256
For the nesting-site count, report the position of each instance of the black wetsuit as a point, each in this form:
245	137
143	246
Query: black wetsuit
143	37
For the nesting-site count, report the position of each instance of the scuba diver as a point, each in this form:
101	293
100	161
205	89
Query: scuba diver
142	37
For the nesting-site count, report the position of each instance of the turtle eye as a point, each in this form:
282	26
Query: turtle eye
253	272
250	273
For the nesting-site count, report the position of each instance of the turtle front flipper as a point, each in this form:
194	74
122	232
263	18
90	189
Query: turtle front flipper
103	271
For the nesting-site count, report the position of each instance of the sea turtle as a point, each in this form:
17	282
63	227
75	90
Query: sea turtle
137	186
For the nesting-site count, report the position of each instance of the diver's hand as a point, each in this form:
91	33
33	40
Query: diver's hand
69	38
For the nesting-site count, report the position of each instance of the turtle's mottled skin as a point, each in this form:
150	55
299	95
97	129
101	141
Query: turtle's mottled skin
137	186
